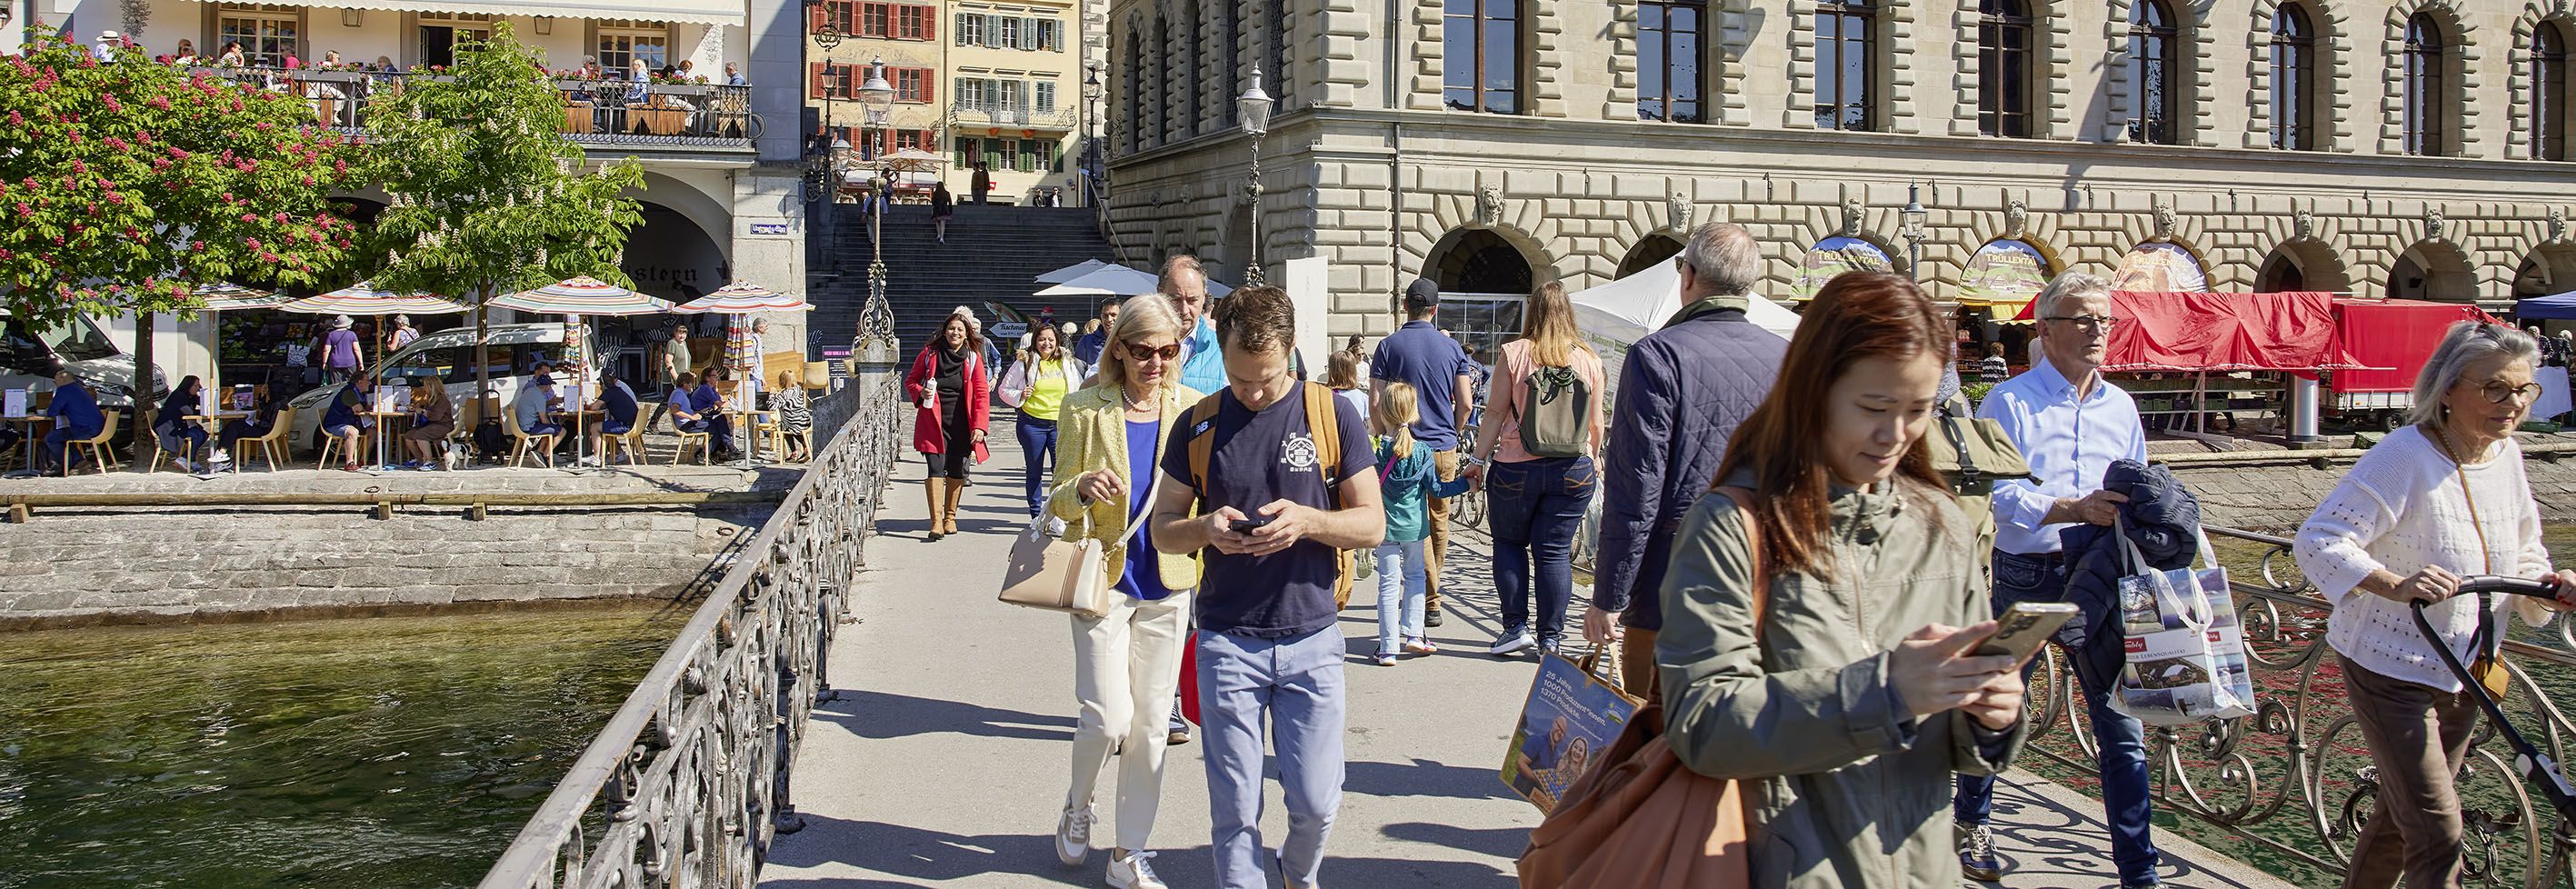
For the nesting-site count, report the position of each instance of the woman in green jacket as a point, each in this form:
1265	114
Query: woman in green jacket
1839	693
1126	665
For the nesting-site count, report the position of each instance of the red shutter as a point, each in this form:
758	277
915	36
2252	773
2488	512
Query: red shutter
814	81
814	19
930	23
929	87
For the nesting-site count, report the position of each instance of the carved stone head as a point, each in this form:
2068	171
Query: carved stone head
1489	206
1677	209
1852	212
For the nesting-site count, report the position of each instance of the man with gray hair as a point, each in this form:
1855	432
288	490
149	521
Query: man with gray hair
1184	282
2071	425
1680	395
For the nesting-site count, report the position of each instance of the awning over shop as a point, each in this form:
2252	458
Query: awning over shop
2222	332
2388	339
700	12
2561	307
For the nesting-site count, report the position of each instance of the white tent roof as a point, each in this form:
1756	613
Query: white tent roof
1116	280
1628	309
1071	272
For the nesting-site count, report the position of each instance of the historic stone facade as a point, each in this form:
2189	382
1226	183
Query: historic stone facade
1366	166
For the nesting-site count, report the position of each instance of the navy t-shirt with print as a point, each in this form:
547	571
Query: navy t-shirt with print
1261	456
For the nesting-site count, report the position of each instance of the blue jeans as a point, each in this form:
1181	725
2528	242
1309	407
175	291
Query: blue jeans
1535	509
58	450
1037	447
1402	579
1293	686
2123	762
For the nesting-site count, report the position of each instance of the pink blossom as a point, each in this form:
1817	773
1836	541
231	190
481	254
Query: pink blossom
246	217
199	246
159	103
254	243
281	218
79	166
4	254
111	103
17	120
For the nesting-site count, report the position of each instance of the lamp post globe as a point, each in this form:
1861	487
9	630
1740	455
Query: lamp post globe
1913	214
1254	109
876	94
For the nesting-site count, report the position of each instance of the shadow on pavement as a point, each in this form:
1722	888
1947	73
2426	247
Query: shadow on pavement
1423	778
879	716
1502	842
910	857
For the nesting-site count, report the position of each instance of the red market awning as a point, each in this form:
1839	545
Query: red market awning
2221	332
2388	340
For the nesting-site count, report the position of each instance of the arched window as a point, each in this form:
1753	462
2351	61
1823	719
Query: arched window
1845	87
2548	93
2003	68
1233	62
2294	65
1281	31
2421	86
1198	69
1135	88
1668	43
2161	267
1163	81
2004	274
1480	62
1833	256
2152	68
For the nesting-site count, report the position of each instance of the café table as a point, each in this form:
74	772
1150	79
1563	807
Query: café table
747	435
580	424
384	430
30	421
214	422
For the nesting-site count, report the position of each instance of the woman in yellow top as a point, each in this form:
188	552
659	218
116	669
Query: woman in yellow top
1037	385
1127	665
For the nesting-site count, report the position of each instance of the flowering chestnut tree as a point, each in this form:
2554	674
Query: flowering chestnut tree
125	184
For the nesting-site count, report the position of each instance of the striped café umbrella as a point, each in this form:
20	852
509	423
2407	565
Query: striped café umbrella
364	298
582	295
232	297
740	298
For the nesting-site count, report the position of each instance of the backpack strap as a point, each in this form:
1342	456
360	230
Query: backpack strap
1323	422
1202	442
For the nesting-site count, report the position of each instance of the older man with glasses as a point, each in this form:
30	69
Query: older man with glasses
1184	282
2072	425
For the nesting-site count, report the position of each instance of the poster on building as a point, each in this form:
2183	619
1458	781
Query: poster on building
1569	722
1834	256
2160	267
2004	272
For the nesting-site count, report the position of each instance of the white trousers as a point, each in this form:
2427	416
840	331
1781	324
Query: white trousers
1126	669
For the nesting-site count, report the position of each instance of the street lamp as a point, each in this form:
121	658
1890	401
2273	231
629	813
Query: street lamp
828	176
876	321
1255	107
1913	215
1090	143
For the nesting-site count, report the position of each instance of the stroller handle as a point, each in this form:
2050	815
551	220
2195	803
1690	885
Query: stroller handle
2514	586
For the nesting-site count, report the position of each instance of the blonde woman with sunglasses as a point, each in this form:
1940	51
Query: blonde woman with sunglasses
1109	441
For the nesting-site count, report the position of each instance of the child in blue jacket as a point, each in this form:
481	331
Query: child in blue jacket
1408	482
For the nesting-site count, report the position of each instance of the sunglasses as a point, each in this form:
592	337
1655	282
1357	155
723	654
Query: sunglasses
2499	393
1165	353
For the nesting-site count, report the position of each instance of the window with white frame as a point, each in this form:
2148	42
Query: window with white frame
622	41
1007	31
1045	92
1050	35
267	32
970	29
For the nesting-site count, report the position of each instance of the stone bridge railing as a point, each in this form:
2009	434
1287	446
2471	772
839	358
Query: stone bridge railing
690	780
2295	780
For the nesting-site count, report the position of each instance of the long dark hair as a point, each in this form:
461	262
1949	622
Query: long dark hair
1858	315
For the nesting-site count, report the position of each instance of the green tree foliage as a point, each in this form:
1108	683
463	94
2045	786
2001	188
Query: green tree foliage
488	196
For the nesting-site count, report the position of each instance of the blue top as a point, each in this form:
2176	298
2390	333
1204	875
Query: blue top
704	398
1143	576
1261	456
1202	362
77	410
682	401
620	401
1089	347
1409	484
344	409
1420	356
2070	446
343	343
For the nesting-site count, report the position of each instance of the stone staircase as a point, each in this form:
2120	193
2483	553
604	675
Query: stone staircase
992	253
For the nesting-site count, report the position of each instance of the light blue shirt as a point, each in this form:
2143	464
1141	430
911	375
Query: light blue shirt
2070	446
1202	363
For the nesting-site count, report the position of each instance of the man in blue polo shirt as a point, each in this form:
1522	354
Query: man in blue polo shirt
76	418
1420	355
1269	520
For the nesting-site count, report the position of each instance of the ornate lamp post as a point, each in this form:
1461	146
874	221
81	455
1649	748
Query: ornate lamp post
1255	107
876	320
829	174
1914	215
1090	143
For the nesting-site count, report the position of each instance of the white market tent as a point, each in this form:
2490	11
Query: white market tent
1626	310
1117	280
1073	271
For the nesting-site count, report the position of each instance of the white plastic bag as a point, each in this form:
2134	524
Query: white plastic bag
2185	650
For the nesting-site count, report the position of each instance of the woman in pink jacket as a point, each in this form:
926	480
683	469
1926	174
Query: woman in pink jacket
952	390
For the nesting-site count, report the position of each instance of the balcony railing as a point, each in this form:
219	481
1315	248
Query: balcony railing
1010	116
596	112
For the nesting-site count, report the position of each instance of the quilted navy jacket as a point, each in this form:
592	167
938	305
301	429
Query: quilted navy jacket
1681	393
2161	517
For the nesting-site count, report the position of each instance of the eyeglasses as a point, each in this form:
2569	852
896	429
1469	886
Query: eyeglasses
1165	353
2088	323
2499	393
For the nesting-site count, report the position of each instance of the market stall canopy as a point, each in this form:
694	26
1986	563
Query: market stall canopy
231	297
741	298
363	298
2167	331
2561	307
1073	271
2388	339
913	160
1118	280
1626	310
582	295
696	12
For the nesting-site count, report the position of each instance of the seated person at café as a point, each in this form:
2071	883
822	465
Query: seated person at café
620	404
686	417
537	406
433	419
347	417
709	402
76	418
263	417
181	437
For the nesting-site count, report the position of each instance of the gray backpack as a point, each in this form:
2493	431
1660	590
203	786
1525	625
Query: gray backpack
1556	413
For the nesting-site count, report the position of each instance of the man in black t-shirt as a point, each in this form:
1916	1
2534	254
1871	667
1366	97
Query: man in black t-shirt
1271	519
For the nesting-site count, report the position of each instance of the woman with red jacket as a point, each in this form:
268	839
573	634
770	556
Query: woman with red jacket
952	388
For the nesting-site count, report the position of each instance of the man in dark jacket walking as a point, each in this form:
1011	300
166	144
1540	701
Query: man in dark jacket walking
1680	396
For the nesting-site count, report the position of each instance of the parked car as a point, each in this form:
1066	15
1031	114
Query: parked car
30	353
448	357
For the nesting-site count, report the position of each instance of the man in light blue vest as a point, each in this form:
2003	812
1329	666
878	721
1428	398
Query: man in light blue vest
1185	284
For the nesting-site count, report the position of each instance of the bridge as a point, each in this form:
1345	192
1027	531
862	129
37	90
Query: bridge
852	708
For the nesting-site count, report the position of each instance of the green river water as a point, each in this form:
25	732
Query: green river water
396	752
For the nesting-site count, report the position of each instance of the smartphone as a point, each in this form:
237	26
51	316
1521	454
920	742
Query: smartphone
1245	526
2024	627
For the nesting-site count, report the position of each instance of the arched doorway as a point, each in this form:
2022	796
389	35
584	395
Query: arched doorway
1654	249
2549	270
1483	281
672	257
2302	266
2432	270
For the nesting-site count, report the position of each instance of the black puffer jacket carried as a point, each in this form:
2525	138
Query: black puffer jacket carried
1680	395
2161	517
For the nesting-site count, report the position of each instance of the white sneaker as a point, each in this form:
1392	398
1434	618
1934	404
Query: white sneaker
1073	836
1133	872
185	466
1509	644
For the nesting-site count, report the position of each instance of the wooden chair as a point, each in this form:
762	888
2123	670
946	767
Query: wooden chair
706	444
159	452
99	450
631	444
271	445
520	440
322	460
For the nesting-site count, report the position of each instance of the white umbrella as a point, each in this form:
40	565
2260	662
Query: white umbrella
1626	310
1073	271
1117	280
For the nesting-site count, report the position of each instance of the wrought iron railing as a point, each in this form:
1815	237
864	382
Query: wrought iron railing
2295	779
602	112
688	783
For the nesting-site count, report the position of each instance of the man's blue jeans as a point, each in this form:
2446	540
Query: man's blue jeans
1292	688
1535	509
2123	761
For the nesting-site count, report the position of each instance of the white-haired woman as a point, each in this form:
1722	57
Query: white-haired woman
2438	500
1127	666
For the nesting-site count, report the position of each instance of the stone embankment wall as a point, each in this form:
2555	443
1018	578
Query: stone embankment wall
2276	497
72	566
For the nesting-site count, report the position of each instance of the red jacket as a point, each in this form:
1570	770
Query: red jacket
927	434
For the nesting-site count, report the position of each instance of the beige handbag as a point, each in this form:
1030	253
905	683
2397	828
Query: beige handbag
1059	575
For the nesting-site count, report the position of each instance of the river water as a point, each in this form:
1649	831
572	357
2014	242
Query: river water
380	752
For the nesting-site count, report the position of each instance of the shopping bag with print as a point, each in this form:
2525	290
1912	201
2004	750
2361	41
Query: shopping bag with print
2185	649
1568	723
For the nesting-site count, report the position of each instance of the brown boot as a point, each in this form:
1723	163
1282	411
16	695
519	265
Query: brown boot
933	486
948	511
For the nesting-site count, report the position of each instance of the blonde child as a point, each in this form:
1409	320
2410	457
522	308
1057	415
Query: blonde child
1408	480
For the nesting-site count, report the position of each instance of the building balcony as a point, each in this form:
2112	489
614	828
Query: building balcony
1011	117
598	114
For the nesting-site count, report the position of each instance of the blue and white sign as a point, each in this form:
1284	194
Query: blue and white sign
769	228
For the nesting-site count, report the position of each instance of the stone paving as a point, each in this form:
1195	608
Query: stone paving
943	760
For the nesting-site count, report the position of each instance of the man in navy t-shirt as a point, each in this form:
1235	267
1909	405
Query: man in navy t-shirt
1270	643
1420	356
